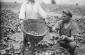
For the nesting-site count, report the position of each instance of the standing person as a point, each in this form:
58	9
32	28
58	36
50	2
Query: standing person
67	27
30	10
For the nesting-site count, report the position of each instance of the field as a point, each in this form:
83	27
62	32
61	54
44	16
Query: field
10	37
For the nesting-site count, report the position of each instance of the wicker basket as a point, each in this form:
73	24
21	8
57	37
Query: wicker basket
35	27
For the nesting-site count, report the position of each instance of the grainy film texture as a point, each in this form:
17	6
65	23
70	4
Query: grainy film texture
36	27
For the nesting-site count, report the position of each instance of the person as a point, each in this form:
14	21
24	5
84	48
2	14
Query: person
67	27
30	9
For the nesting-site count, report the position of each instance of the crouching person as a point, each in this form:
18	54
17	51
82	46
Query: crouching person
67	27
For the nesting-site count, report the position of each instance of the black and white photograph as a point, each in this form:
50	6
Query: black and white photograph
42	27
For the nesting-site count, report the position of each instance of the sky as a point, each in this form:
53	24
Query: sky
80	2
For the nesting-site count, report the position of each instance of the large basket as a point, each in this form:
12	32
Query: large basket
35	27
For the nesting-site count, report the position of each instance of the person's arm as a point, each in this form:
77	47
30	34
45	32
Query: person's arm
57	25
22	11
70	38
42	13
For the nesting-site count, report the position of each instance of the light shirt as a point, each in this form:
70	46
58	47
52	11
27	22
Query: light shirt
31	11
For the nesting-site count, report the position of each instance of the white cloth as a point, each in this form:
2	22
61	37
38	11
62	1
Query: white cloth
30	11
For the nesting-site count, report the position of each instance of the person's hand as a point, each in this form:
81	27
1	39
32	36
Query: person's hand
21	21
63	36
53	28
72	38
46	21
